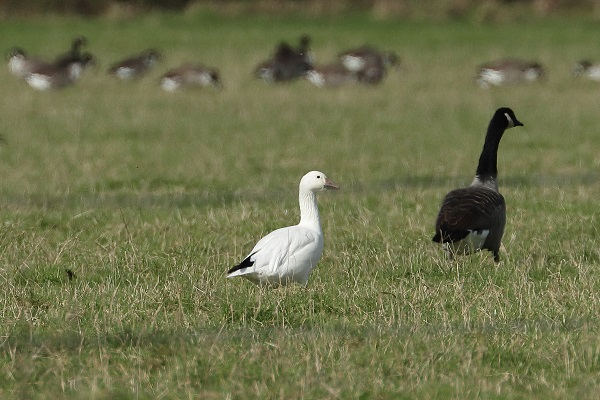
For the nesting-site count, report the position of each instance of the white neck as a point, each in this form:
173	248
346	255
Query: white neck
309	212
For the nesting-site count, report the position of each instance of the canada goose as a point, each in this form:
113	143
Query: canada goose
369	64
136	66
289	254
20	64
287	63
330	75
190	75
588	69
52	76
508	72
473	218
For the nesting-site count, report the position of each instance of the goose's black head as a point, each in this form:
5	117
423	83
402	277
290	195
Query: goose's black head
304	44
506	117
16	52
487	169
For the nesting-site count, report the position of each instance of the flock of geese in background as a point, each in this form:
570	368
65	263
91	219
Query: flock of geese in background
364	65
470	219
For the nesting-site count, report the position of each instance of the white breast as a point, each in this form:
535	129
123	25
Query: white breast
593	73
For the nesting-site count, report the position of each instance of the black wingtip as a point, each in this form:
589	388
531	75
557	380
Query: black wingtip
244	264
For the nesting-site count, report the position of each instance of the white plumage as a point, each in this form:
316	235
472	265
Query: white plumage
289	254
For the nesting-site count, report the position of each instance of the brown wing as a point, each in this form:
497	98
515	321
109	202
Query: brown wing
468	209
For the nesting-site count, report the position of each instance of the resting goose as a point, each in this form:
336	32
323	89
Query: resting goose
330	75
369	64
288	63
136	66
289	254
52	77
20	64
588	69
508	72
190	75
473	218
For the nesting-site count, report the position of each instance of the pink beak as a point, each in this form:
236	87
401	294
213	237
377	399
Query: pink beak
329	185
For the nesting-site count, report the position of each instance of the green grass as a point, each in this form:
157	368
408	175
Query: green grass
149	197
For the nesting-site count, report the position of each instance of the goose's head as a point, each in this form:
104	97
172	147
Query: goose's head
391	60
87	60
316	181
507	117
16	53
77	42
580	68
215	79
152	56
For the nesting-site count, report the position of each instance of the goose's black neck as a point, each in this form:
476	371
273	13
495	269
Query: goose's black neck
487	169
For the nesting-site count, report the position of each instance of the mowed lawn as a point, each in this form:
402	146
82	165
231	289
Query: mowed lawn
149	197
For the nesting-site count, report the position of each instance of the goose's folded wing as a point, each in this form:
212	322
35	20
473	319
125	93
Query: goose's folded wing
277	247
467	210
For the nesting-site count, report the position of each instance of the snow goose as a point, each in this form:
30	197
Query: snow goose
289	254
473	218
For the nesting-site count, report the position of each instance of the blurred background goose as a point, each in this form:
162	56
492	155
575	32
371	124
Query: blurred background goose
330	75
20	64
587	69
473	218
508	72
287	63
190	75
369	64
135	66
55	76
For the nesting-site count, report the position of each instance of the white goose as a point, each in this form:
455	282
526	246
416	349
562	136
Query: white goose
289	254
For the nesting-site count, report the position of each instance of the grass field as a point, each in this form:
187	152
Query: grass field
149	197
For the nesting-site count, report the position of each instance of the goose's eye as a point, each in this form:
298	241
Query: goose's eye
318	176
